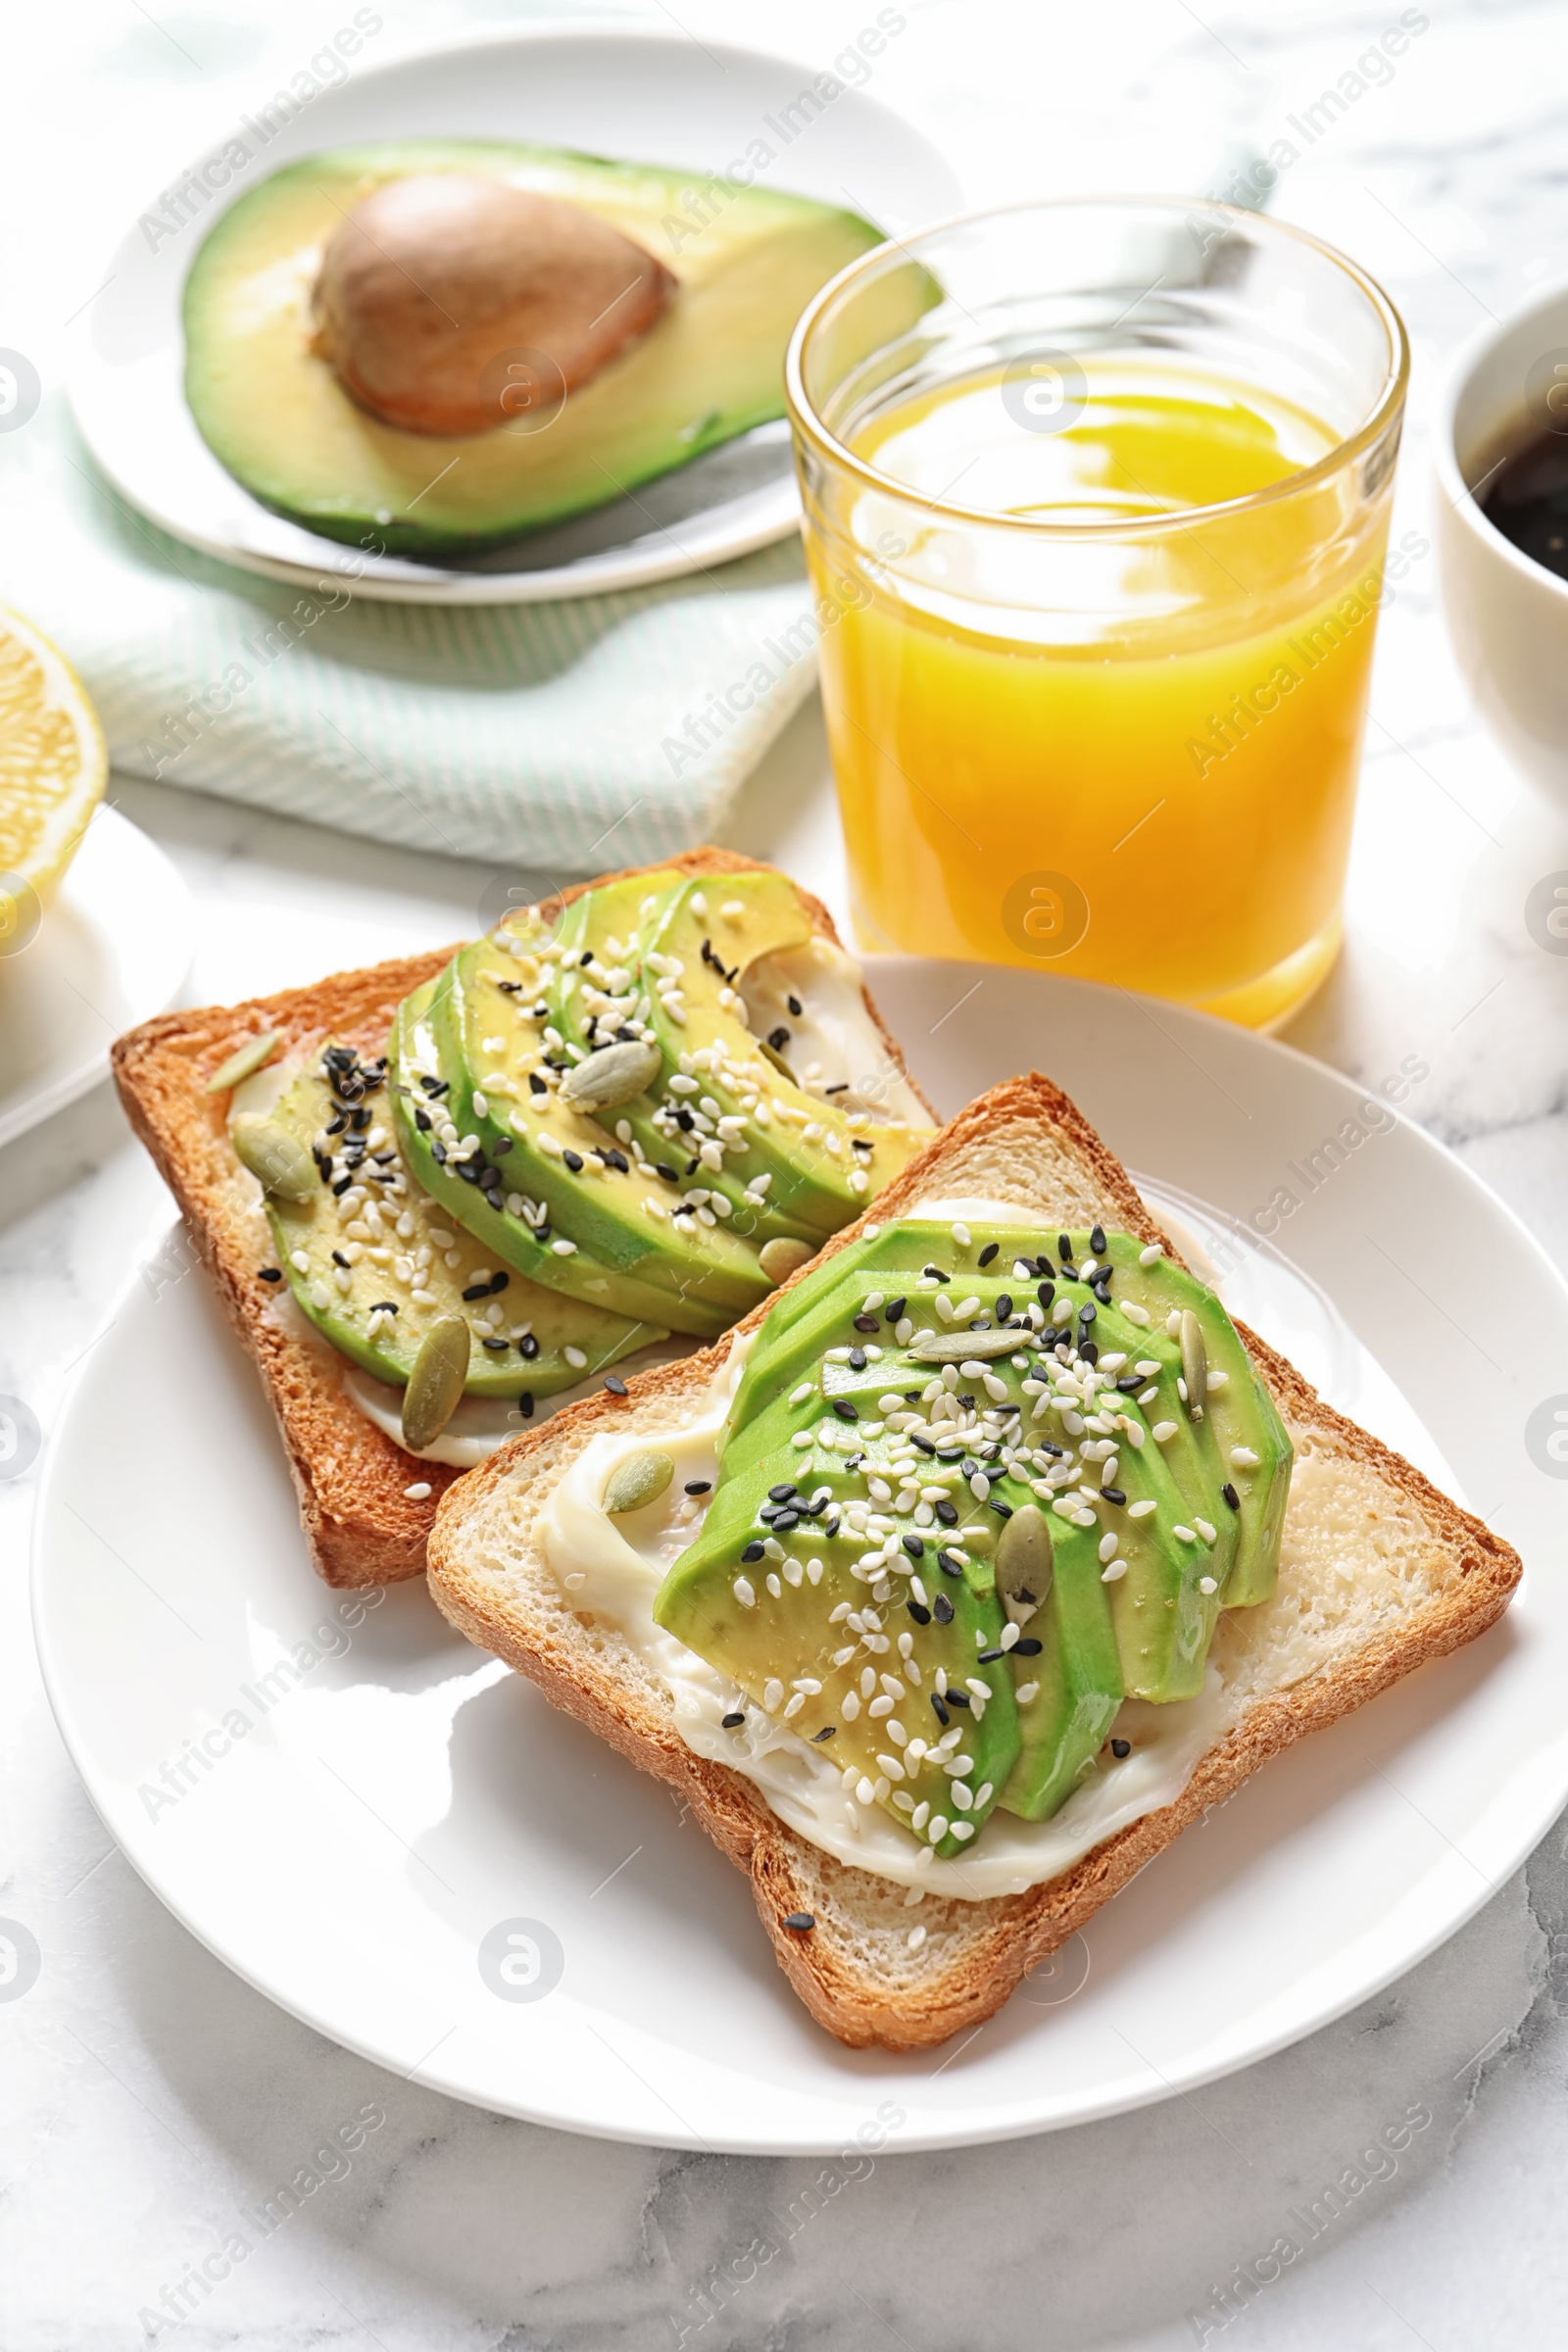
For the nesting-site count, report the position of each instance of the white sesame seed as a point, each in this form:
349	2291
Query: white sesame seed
564	1248
915	1938
1164	1432
961	1233
1207	1584
1150	1255
1186	1534
1026	1692
1134	1313
963	1828
1244	1457
420	1491
1115	1573
1204	1529
801	1439
773	1694
773	1585
1109	1545
746	1598
1141	1510
936	1829
575	1357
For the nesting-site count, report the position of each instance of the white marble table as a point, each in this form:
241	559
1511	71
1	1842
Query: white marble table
150	2098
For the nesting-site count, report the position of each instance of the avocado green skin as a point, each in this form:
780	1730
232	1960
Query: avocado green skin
276	417
388	1355
1078	1677
707	1278
1242	1413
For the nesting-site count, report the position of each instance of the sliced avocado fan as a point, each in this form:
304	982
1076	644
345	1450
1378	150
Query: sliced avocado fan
603	1118
269	405
971	1495
375	1264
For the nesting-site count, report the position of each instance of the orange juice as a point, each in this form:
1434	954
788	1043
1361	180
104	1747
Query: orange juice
1095	666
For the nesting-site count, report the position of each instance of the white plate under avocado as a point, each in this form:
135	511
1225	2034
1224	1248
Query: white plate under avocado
208	393
402	1842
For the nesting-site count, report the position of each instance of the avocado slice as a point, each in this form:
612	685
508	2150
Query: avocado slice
275	416
490	1170
893	1475
1076	1680
771	1158
1164	1616
1250	1446
373	1262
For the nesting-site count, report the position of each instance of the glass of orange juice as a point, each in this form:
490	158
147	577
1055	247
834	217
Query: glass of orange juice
1097	497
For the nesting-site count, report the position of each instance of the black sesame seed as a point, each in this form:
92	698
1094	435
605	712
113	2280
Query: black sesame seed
730	1723
969	1466
795	1005
918	1612
1097	1241
1004	1510
529	1347
525	1404
438	1153
845	1410
937	1273
422	1120
536	1084
662	1167
496	1346
826	1733
341	1186
338	1260
616	1386
699	1486
988	1253
503	1143
475	1289
1088	1351
385	1307
469	1172
1121	1747
1045	1292
1128	1382
1029	1648
989	1657
786	1523
783	1494
801	1922
1231	1496
866	1323
691	1167
573	1160
893	1312
778	1038
958	1698
939	1711
753	1552
921	1445
941	1609
856	1359
1112	1494
948	1565
269	1274
1004	1308
1064	1247
948	1514
1087	1312
914	1546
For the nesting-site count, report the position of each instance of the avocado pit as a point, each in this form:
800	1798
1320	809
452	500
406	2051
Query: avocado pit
449	303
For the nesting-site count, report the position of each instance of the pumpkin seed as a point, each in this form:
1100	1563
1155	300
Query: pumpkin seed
1195	1364
252	1055
435	1383
1025	1563
612	1077
638	1479
772	1054
782	1256
277	1160
954	1347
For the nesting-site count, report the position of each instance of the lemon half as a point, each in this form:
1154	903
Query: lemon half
52	762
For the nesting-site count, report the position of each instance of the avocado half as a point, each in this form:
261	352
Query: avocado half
747	261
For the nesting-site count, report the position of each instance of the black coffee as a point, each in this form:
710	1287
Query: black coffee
1528	501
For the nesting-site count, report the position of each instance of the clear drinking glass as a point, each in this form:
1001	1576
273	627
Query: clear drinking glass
1096	500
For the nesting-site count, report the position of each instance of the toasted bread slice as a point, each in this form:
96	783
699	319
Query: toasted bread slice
1427	1577
362	1525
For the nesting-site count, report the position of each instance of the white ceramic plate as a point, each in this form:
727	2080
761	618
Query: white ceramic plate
112	951
649	97
384	1798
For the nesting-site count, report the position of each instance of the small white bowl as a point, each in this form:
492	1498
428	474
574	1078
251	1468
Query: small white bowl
1507	614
